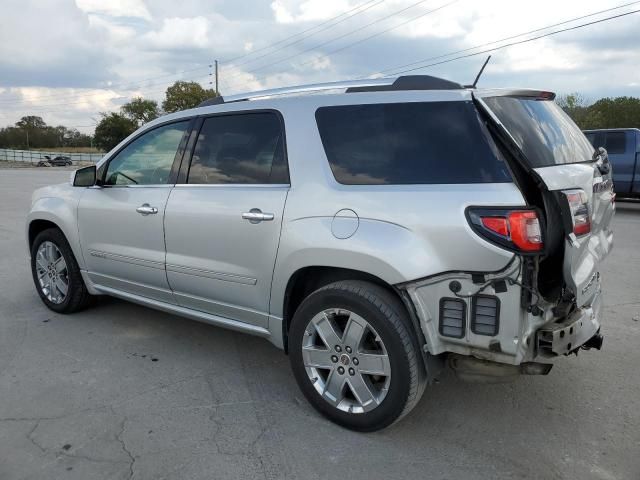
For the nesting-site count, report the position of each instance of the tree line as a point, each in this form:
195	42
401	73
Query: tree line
618	112
32	131
113	127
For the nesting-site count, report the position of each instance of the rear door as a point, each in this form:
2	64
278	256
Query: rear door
222	224
560	156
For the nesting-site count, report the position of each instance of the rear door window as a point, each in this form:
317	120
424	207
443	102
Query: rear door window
243	148
409	143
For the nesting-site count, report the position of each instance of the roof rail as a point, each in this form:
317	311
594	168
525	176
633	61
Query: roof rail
408	82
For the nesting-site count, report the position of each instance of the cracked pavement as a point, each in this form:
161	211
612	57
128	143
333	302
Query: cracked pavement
120	391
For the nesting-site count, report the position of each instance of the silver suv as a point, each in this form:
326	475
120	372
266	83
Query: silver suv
376	230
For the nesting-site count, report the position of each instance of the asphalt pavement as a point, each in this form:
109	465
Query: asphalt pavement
121	391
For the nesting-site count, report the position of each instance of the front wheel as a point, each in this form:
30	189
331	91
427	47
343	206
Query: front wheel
355	356
56	273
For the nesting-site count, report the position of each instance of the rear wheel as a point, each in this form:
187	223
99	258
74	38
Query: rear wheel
354	355
56	273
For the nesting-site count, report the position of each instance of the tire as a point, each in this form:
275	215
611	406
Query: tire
76	297
346	306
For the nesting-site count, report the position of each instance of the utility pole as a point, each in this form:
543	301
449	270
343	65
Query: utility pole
217	91
214	65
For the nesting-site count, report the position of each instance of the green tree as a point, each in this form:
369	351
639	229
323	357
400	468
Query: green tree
618	112
576	106
31	122
112	129
184	95
141	110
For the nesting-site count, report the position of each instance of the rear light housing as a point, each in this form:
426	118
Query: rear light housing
579	214
515	229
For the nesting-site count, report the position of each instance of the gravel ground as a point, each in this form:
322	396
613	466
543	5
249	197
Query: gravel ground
121	391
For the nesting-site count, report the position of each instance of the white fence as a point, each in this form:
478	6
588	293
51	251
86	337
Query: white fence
35	156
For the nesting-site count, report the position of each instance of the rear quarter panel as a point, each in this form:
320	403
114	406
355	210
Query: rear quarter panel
403	232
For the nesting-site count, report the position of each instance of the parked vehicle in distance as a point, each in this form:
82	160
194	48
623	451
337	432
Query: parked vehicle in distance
377	231
59	161
623	148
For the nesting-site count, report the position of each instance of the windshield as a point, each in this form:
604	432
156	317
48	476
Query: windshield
545	134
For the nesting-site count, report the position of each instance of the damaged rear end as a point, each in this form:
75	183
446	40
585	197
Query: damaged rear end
547	302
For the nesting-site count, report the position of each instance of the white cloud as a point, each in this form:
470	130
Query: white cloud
111	50
116	8
309	10
180	33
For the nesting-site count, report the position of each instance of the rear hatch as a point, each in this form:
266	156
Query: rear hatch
575	181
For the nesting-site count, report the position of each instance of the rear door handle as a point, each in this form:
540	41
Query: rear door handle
255	215
146	209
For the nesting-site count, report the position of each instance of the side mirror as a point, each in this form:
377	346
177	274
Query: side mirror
85	177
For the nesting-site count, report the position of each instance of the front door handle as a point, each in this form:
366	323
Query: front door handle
146	209
255	215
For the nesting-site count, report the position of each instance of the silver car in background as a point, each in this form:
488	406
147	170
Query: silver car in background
376	230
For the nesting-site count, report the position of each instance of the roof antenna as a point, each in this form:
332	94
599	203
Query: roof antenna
473	85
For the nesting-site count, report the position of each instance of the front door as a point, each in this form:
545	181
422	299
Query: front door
222	226
120	221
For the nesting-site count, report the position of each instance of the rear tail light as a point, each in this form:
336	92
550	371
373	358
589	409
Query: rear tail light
579	208
525	231
518	230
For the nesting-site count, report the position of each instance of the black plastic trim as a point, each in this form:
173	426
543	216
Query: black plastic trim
464	316
411	82
219	100
474	305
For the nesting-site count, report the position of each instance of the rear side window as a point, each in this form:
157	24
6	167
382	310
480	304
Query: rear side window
614	142
409	143
240	149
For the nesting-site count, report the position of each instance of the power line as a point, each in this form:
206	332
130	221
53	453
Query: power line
134	83
509	38
315	47
362	40
230	60
377	2
514	43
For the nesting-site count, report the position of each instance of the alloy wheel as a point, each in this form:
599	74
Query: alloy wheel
346	360
52	272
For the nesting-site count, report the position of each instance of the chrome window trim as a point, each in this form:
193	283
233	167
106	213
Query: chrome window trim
232	185
154	185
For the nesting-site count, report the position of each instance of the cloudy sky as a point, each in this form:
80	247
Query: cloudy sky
68	60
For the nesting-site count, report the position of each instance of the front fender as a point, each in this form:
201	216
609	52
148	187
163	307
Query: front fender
63	212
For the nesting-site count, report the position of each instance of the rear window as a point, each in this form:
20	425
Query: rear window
545	134
614	142
409	143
